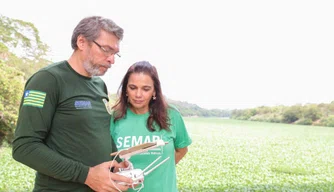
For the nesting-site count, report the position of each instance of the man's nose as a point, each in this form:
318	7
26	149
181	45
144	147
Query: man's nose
111	59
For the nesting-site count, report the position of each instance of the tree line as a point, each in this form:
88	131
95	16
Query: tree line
308	114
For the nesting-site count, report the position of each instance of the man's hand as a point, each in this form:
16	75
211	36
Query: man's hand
124	164
100	178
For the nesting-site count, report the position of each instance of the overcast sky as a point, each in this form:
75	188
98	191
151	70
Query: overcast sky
216	54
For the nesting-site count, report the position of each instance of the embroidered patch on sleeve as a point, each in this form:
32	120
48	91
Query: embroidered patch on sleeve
34	98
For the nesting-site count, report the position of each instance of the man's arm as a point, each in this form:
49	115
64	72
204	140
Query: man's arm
33	127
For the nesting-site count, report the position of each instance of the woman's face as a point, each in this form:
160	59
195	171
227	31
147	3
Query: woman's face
140	90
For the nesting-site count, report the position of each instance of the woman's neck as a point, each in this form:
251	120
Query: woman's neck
139	110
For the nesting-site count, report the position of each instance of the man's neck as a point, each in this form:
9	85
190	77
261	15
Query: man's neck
76	62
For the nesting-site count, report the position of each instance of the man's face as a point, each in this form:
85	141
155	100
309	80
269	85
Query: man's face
101	54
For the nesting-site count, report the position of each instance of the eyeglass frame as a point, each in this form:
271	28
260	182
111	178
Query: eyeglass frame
106	51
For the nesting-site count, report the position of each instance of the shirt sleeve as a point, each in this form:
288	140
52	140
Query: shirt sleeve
38	106
182	138
112	133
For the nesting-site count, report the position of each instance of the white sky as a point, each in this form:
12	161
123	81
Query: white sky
216	54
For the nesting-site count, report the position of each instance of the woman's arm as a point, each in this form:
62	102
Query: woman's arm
179	154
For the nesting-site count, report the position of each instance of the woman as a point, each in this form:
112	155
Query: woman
142	115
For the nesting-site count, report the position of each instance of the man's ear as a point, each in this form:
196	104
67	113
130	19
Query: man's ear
81	42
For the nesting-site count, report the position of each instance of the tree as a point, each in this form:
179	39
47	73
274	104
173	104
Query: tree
21	47
11	86
21	54
292	114
312	112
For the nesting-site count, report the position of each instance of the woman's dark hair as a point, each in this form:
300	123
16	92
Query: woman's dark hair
157	108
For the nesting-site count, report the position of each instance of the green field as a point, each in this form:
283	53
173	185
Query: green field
230	155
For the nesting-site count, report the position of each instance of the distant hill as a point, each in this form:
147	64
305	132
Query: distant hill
189	109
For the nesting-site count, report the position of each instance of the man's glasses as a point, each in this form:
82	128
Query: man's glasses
106	50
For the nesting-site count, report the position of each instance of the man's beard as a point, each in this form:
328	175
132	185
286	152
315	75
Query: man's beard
93	70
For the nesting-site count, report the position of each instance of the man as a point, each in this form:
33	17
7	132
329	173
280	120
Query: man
63	126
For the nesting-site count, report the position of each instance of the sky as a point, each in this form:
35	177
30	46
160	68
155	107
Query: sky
216	54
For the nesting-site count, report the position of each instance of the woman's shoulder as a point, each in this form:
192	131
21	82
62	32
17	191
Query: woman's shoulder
173	110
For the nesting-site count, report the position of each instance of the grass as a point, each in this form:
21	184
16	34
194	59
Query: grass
230	155
14	176
234	156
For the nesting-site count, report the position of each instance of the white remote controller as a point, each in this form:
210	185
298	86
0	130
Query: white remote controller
136	175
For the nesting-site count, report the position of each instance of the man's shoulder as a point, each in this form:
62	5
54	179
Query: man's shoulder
48	72
98	79
55	66
58	70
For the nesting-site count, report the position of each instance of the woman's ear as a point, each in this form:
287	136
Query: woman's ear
153	96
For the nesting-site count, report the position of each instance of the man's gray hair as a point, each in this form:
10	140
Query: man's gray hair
90	28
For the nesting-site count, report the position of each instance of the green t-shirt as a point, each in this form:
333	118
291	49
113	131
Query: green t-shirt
63	128
131	131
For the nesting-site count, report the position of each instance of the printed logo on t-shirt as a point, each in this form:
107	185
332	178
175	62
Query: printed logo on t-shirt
82	104
130	141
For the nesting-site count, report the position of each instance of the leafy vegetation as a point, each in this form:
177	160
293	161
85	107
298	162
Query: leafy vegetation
21	47
309	114
21	54
233	155
14	176
11	83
